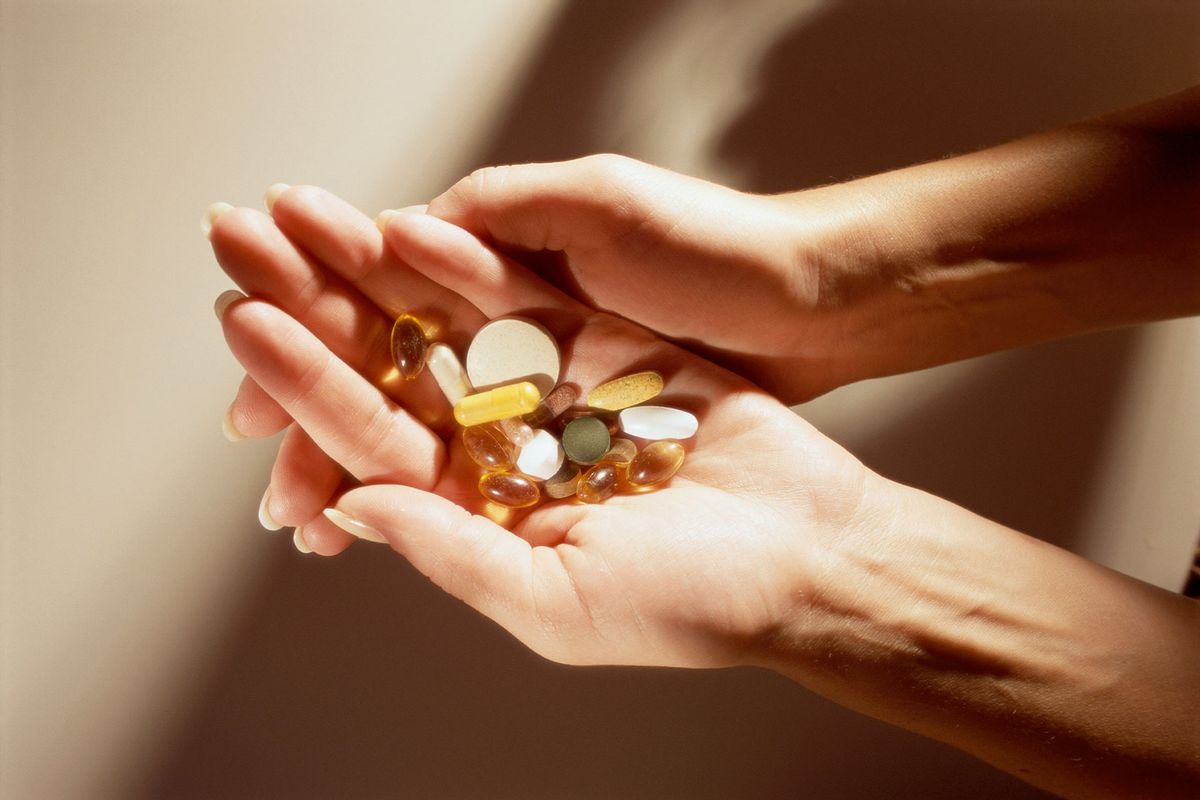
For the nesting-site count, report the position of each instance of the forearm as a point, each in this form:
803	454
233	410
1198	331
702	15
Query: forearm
1092	226
1062	672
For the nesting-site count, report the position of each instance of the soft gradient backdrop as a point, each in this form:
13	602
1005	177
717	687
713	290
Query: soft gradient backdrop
158	643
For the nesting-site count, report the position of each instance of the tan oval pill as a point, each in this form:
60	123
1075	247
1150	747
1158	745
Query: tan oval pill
627	391
512	350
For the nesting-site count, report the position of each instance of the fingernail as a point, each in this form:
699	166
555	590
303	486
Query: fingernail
228	428
224	299
211	216
353	526
385	216
298	540
273	192
264	513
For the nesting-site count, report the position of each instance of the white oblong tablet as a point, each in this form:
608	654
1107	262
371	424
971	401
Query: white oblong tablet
658	422
511	350
542	458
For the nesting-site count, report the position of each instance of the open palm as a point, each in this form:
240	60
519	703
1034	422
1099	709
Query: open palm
694	573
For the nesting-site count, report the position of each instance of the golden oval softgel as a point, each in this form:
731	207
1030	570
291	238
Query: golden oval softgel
509	489
656	463
408	346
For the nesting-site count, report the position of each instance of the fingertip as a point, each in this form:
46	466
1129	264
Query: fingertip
229	426
224	300
211	214
273	193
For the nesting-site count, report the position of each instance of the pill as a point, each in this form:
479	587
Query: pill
598	484
609	419
658	422
621	451
509	489
542	458
657	462
627	391
511	350
408	346
488	447
554	404
517	430
586	440
501	403
449	372
562	483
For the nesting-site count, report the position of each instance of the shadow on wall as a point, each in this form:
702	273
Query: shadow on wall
354	677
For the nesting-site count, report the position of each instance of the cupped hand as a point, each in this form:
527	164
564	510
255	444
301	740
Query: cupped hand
697	572
756	283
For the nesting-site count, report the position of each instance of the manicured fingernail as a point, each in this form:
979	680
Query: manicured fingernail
353	526
264	513
298	540
224	299
385	217
211	216
228	428
273	192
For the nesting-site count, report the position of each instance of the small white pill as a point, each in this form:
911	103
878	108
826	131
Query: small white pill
511	350
658	422
449	373
542	458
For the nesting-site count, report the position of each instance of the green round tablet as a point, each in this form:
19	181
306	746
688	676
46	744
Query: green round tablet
585	440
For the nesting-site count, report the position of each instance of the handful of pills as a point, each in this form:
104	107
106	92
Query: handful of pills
523	428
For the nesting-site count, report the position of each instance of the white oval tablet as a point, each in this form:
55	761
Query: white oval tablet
542	458
510	350
658	422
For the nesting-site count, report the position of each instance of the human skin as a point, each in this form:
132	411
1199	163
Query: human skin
912	610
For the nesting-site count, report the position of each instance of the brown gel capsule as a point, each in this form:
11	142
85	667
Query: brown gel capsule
408	346
598	484
620	452
562	483
656	463
509	489
488	447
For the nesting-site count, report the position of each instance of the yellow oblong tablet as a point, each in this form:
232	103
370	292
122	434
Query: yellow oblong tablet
500	403
627	391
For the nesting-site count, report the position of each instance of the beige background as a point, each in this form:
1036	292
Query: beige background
158	643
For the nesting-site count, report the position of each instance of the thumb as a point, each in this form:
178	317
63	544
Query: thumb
467	555
586	203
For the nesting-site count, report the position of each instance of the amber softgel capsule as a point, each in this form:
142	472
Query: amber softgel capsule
408	344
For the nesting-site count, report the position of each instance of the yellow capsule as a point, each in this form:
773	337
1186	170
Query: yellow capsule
509	489
656	463
488	447
506	401
408	346
598	483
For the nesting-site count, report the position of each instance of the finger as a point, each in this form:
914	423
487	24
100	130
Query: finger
493	283
322	537
303	480
347	242
254	413
348	417
260	259
583	203
467	555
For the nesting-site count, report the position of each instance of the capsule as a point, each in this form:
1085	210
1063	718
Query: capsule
496	404
509	489
554	404
517	430
488	447
657	462
448	371
620	452
408	346
562	483
598	483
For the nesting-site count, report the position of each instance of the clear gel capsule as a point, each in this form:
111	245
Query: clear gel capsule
598	484
408	346
657	462
509	489
449	372
518	431
501	403
488	447
559	400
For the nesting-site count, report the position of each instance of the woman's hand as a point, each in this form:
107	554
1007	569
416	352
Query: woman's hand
695	573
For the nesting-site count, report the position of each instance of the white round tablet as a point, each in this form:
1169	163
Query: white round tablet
510	350
542	457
